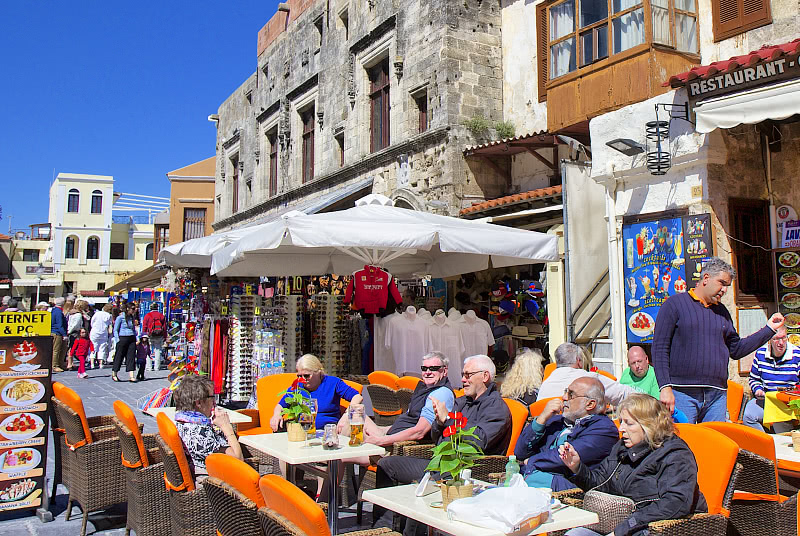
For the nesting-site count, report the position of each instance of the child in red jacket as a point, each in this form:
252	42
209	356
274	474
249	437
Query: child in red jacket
81	349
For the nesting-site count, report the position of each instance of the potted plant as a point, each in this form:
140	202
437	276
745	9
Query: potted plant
296	405
451	457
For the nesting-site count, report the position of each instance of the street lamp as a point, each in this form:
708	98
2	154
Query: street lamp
39	274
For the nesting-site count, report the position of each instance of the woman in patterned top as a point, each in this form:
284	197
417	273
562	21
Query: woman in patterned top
202	429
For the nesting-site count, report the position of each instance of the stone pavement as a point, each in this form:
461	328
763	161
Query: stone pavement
98	393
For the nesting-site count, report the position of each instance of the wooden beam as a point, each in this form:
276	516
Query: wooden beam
543	160
502	172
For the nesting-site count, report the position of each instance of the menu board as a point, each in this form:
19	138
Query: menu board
26	350
787	270
662	257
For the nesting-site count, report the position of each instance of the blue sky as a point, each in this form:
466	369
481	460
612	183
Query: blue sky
115	88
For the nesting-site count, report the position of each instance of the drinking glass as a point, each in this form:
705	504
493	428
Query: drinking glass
356	424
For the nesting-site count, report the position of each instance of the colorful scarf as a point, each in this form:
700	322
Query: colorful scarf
194	417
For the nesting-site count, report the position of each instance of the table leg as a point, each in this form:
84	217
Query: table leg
333	497
291	474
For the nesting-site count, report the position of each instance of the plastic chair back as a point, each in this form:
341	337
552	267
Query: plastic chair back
292	503
548	370
716	457
537	407
735	400
384	377
408	382
237	474
169	435
607	374
519	416
458	393
344	404
125	415
72	400
748	439
268	390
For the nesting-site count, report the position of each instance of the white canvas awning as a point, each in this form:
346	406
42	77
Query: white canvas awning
776	102
34	282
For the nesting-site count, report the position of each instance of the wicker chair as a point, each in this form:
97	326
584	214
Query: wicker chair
148	500
757	507
404	398
383	377
96	481
290	511
190	512
236	473
234	513
408	382
385	404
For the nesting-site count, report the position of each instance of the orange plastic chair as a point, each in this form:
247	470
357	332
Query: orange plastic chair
716	458
607	374
408	382
519	416
735	400
458	392
344	404
291	502
548	370
268	390
747	439
537	407
384	377
169	434
125	414
72	400
237	474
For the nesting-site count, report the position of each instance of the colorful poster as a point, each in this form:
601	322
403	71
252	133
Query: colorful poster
26	350
787	269
696	245
654	270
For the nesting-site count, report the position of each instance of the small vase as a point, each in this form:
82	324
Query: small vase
451	493
295	431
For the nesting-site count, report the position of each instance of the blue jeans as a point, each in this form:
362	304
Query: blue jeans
702	404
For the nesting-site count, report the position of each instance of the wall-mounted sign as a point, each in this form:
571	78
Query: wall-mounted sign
45	269
745	77
787	270
790	234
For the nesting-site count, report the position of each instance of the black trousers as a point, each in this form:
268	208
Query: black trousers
400	470
126	347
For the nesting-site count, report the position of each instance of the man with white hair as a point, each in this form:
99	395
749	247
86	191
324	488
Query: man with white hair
481	405
569	367
6	299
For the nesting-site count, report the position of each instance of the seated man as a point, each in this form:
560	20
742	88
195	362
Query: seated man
639	374
776	367
575	417
416	422
202	429
569	367
481	405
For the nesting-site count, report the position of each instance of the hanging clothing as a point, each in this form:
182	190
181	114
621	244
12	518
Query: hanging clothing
372	287
383	355
406	335
477	335
219	361
445	337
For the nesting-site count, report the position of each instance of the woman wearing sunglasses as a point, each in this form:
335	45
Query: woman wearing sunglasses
327	390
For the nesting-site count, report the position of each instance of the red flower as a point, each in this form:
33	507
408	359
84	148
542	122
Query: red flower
459	421
450	430
298	382
593	369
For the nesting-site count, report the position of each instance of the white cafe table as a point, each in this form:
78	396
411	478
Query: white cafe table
296	453
401	499
234	416
788	458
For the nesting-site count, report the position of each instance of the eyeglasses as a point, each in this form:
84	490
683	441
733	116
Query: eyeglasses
432	368
469	375
305	376
571	394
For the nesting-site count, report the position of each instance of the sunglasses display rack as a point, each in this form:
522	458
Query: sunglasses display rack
292	327
330	332
240	370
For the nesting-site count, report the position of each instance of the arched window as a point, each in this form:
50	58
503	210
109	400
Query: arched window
97	202
93	248
71	248
148	252
73	200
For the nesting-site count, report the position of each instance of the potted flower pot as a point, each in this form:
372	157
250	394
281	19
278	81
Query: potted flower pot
452	492
295	431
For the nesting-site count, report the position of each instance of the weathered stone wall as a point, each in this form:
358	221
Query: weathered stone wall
447	51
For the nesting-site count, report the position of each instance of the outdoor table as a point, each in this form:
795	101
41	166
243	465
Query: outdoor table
401	499
296	453
234	416
788	459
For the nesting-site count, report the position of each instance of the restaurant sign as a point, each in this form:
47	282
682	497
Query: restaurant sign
745	77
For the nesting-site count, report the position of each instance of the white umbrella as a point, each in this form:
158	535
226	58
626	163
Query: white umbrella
402	241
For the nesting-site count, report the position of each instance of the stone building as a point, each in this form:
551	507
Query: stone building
351	98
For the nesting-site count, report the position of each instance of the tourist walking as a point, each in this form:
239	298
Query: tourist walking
78	319
142	355
58	330
100	335
154	325
81	349
125	338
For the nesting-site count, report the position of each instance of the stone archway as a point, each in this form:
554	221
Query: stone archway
406	199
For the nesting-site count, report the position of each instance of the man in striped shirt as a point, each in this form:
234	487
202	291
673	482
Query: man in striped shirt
775	367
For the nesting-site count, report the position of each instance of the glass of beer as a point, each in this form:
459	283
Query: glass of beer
356	424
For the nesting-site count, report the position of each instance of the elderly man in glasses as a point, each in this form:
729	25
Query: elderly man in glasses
481	405
576	417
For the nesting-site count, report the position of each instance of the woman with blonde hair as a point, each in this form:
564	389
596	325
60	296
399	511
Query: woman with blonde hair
524	378
650	465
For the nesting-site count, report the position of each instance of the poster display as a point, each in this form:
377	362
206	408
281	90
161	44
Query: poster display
787	271
26	350
662	257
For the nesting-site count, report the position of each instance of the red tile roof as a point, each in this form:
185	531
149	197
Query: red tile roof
512	199
766	53
4	237
93	293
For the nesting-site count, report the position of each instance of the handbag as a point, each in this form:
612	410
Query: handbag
611	509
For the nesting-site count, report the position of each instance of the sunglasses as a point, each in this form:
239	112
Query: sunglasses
432	368
305	376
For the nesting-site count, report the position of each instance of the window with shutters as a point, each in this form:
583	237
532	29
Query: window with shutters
162	238
750	229
307	117
235	186
379	105
93	248
272	137
732	17
194	223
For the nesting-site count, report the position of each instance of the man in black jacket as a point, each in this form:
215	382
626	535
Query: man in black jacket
481	405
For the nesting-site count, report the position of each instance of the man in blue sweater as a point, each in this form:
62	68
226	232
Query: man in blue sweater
694	339
58	330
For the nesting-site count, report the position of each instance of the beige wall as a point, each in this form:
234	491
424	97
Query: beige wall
188	194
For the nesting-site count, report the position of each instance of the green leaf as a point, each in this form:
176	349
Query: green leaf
449	466
467	448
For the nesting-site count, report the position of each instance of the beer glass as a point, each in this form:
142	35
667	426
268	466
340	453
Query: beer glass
356	424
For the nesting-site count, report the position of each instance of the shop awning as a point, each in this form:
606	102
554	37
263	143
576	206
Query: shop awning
775	102
34	282
147	278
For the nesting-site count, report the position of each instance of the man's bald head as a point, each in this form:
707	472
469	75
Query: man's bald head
638	362
584	396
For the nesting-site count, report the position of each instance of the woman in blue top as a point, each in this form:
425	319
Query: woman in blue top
327	390
125	338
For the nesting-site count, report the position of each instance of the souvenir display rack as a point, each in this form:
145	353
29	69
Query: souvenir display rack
330	332
239	381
